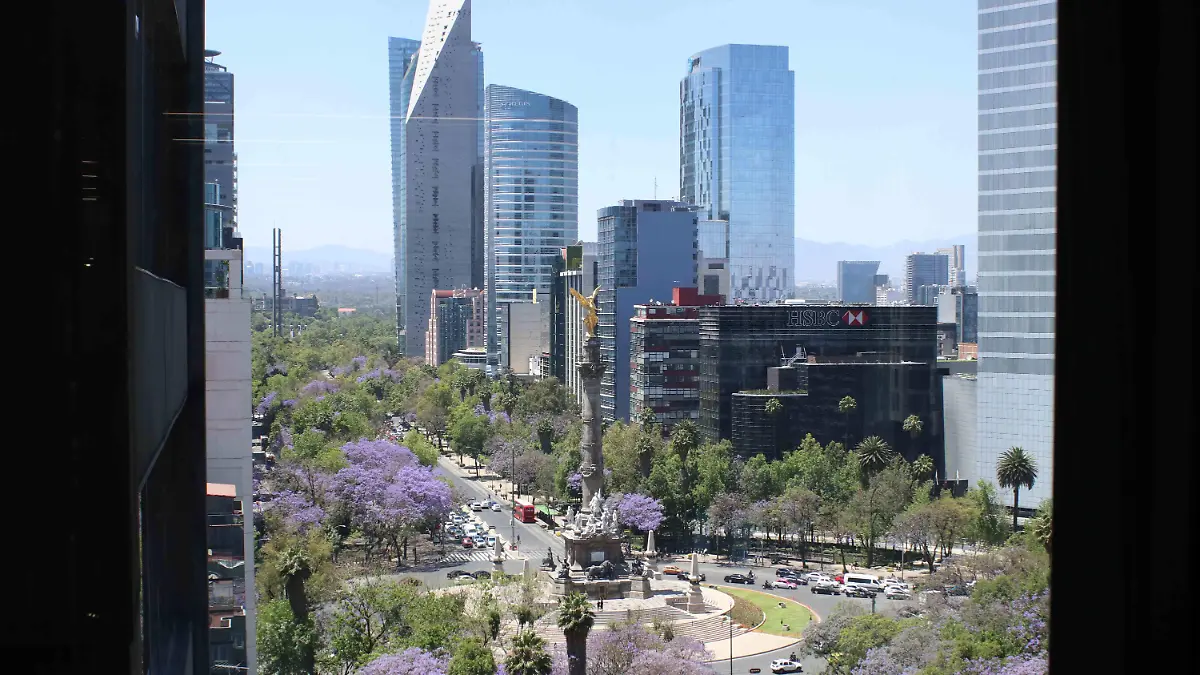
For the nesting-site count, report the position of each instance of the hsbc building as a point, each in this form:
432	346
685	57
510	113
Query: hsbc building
738	343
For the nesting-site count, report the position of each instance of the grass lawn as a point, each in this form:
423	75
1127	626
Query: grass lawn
792	613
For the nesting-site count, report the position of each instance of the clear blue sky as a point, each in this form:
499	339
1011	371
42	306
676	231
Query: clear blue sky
885	105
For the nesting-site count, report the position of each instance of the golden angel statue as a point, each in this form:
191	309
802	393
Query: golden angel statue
589	305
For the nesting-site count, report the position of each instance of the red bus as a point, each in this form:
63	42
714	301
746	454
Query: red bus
524	513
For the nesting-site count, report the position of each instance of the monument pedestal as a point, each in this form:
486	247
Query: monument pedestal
583	552
695	600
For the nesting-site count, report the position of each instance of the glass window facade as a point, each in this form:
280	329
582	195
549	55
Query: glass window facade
737	160
1017	235
856	280
531	192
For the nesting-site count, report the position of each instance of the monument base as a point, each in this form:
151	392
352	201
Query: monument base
584	552
596	589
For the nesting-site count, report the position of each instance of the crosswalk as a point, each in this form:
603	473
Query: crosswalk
473	555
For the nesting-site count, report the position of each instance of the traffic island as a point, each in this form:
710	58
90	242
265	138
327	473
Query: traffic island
783	617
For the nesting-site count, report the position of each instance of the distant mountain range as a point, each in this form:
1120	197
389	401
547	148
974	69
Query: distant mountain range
329	258
817	261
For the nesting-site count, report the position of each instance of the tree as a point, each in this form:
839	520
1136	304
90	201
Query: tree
989	526
757	481
913	425
367	617
773	408
727	513
575	618
296	566
799	507
284	643
433	410
873	454
847	406
421	447
1042	526
639	511
467	436
874	507
922	468
917	526
1016	469
528	655
412	661
472	657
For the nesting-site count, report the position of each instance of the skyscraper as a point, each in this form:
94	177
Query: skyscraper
646	249
957	263
436	164
737	155
1017	128
531	194
924	269
856	280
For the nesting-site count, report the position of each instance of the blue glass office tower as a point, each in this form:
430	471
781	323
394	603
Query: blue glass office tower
856	280
531	194
645	249
737	153
436	100
1017	124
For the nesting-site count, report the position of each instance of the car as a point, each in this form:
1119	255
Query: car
672	570
738	579
465	577
787	572
779	582
858	592
684	576
482	574
958	591
468	542
496	507
817	577
454	574
491	540
786	666
825	588
456	519
480	542
476	506
896	593
841	578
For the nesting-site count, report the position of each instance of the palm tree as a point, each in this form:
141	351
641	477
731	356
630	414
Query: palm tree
1015	469
528	655
922	467
913	425
296	566
1043	525
575	618
846	406
873	454
773	408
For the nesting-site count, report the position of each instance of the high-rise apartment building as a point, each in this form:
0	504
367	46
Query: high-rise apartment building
456	321
957	263
664	344
856	280
737	156
1018	52
924	269
227	341
437	155
581	277
531	195
646	249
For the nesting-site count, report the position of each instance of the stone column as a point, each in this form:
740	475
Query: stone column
592	466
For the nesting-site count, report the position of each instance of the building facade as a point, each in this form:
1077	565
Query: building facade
957	259
712	265
646	249
960	400
738	343
229	643
664	363
1017	234
531	193
924	269
456	321
227	309
436	109
856	281
737	156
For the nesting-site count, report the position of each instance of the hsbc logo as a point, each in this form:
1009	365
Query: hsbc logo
855	317
826	318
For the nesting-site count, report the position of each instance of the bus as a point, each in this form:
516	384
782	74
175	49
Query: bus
524	512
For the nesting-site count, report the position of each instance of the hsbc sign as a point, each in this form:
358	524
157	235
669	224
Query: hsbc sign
826	318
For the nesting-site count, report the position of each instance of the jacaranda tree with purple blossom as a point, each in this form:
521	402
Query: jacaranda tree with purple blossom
637	511
411	661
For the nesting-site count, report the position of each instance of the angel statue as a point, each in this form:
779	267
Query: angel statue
589	306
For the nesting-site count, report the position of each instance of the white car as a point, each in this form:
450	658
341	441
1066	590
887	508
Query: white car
476	506
786	666
496	507
780	582
491	540
817	577
896	593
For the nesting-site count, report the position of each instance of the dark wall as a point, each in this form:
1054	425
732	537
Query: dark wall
114	93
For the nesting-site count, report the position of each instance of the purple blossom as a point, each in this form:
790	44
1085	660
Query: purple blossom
392	375
412	661
479	410
1017	665
498	415
319	398
265	404
297	510
319	386
575	482
633	649
358	362
386	488
639	511
369	375
289	403
285	437
337	371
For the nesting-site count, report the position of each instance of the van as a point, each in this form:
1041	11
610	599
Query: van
469	530
868	581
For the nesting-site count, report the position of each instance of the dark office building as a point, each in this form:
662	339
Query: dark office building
664	343
226	580
119	584
886	393
856	280
738	343
966	304
925	269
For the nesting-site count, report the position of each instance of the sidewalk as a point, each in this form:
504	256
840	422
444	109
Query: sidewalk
748	644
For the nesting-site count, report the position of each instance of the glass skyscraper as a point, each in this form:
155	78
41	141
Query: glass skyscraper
856	280
531	194
1017	116
737	154
436	101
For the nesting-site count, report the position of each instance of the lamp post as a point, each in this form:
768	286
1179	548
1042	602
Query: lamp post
730	620
512	486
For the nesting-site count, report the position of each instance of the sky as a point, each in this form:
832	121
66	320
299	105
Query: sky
885	105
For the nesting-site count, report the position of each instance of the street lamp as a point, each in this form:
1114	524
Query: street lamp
730	620
512	513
